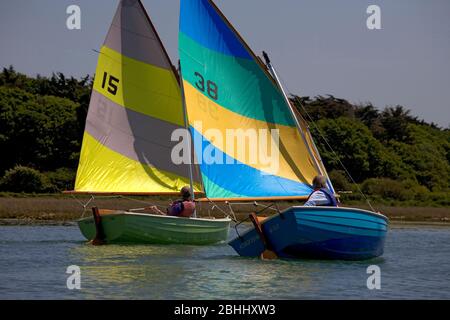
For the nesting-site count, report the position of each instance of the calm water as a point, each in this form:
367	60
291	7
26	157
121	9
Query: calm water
33	262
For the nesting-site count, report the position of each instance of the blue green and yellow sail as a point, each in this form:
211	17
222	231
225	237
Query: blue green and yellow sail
135	106
226	87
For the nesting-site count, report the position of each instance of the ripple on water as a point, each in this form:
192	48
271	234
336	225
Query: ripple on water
34	261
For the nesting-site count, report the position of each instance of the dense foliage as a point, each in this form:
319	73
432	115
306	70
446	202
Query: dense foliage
390	153
41	127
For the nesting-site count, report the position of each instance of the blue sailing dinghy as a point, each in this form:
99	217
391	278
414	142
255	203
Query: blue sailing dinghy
228	89
317	232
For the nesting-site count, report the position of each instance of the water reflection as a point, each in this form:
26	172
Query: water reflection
180	272
34	262
206	272
131	270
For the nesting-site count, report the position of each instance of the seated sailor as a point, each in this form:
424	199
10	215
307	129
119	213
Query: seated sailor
321	196
183	207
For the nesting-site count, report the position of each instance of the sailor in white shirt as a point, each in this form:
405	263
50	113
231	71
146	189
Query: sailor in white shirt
321	196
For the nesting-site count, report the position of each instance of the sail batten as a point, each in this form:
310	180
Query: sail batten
134	109
226	87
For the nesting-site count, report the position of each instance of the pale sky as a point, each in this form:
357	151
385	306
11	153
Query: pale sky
317	46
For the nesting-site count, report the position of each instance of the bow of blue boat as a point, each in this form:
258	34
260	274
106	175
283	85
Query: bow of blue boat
318	232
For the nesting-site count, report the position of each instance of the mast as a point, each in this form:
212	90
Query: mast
299	128
186	126
320	159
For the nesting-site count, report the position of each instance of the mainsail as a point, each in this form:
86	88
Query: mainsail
226	87
135	106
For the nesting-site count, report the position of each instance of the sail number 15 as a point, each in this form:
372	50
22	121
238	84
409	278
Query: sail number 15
211	88
112	83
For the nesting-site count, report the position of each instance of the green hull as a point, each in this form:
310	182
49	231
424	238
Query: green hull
127	227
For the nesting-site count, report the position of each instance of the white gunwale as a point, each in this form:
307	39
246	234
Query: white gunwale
123	212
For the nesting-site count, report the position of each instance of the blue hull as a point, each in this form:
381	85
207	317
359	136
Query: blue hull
318	232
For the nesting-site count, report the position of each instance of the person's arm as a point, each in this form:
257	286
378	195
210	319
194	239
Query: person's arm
317	198
156	210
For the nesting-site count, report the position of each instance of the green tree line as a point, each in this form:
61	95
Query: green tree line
41	128
391	154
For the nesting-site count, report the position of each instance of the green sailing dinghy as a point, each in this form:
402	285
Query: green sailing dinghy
129	227
136	105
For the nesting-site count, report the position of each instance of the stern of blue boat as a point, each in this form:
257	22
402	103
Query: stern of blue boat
318	232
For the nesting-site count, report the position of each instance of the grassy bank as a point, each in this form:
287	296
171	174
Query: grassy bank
62	208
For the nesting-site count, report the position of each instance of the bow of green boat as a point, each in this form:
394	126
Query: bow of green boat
130	227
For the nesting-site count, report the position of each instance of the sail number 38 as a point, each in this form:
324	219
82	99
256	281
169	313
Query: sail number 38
210	87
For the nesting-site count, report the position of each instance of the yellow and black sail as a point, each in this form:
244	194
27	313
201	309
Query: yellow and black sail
135	106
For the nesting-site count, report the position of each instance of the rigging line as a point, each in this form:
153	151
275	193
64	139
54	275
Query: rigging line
334	152
328	144
84	205
270	208
75	198
230	207
115	197
265	207
140	201
92	198
251	204
106	197
134	32
219	208
190	139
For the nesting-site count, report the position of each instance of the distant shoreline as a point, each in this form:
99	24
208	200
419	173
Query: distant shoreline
65	210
